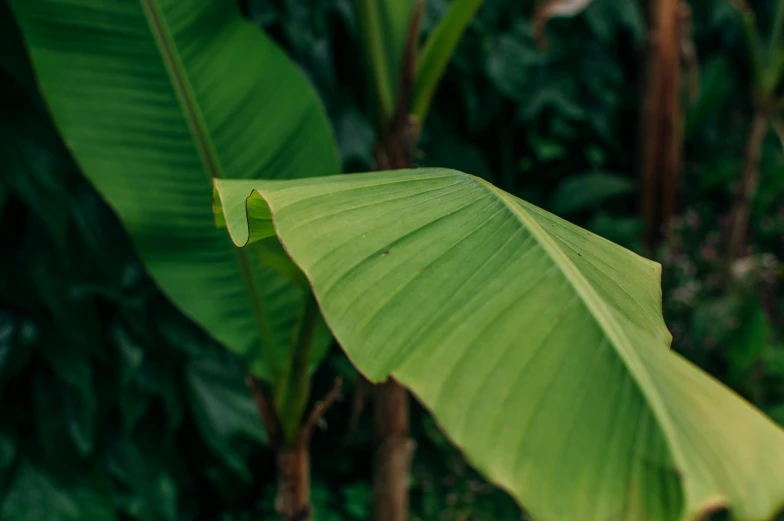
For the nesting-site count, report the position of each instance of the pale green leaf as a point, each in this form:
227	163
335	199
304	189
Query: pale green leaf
155	98
539	347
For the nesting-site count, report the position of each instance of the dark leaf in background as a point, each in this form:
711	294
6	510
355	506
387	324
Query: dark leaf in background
35	496
356	137
446	148
7	450
147	492
607	17
262	12
717	83
224	410
131	354
17	338
511	60
64	422
749	342
13	55
30	173
588	190
619	229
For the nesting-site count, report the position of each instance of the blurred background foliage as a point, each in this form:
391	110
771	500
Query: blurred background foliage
116	407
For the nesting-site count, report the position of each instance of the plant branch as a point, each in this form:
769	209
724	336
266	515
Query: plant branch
774	45
778	127
753	42
317	413
358	405
266	410
293	499
747	186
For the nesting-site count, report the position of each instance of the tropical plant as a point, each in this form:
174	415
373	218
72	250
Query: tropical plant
515	327
404	79
767	75
115	406
277	328
153	101
200	78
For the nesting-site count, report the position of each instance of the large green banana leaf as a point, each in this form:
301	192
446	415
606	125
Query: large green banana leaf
539	347
155	98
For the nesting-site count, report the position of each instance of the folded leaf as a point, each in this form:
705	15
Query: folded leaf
155	98
539	347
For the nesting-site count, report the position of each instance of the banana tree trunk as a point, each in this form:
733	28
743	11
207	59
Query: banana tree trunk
293	501
393	452
661	125
393	447
293	459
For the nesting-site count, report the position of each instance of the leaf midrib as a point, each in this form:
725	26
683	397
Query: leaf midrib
600	312
198	128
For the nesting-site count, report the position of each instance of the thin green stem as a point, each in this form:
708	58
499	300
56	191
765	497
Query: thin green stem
376	52
438	51
754	46
776	36
202	139
774	65
293	387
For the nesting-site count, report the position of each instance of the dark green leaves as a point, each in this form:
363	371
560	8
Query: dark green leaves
35	496
587	191
97	418
154	99
224	410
